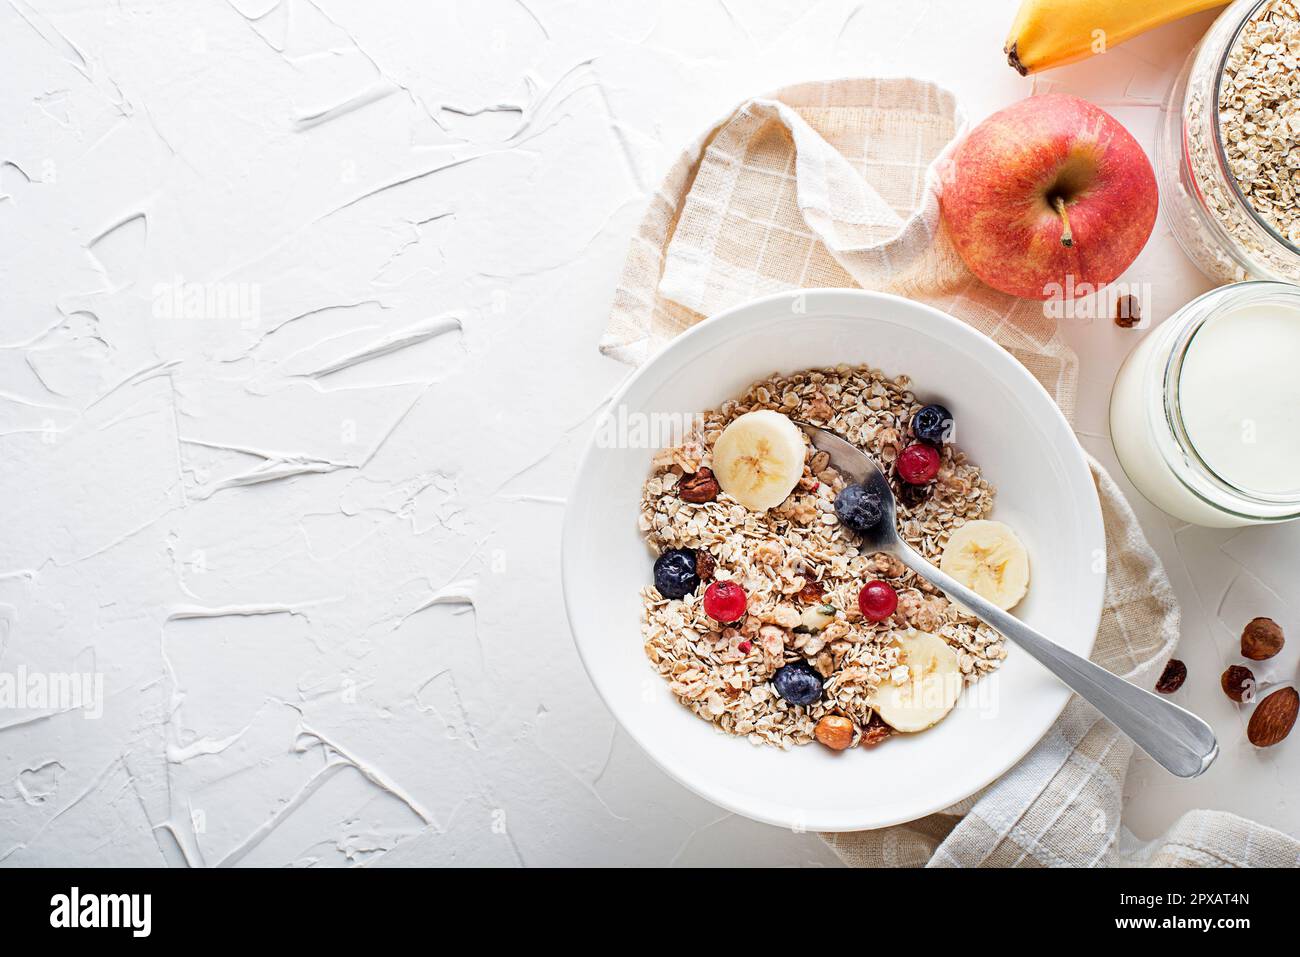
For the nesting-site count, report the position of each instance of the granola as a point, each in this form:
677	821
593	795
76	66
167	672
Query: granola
797	560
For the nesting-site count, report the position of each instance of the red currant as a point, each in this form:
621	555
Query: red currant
918	463
744	647
877	600
725	601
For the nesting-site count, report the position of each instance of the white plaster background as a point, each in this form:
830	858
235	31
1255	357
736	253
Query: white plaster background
315	556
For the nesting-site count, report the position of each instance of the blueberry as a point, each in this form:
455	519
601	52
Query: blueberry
675	573
932	424
859	508
798	683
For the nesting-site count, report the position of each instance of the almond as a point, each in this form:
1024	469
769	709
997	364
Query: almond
1273	718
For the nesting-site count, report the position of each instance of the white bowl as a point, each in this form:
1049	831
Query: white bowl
1009	426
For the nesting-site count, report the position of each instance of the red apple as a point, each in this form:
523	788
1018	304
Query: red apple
1049	198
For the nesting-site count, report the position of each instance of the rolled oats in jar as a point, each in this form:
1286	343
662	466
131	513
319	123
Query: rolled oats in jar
1229	146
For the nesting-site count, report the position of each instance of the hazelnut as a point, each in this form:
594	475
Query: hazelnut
1172	678
1238	683
834	731
1261	638
1273	718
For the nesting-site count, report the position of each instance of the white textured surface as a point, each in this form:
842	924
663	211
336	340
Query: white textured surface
314	555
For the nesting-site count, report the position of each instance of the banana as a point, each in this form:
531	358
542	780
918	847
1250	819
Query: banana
989	559
1051	33
925	695
758	459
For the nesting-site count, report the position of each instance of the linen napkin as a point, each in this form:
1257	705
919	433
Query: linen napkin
837	184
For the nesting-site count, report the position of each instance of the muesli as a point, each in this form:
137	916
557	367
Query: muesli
765	619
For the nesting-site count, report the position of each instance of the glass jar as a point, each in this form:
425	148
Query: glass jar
1202	413
1215	224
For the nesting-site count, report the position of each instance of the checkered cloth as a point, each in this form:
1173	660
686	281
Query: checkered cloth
836	184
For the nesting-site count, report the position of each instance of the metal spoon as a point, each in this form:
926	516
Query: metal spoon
1180	741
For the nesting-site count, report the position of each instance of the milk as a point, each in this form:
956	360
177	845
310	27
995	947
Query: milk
1205	413
1239	391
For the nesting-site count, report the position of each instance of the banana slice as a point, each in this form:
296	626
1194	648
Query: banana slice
758	459
989	559
929	690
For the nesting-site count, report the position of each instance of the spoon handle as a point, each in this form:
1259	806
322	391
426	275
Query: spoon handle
1177	739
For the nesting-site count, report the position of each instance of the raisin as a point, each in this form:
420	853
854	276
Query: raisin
875	732
812	593
704	565
1128	312
1175	674
913	496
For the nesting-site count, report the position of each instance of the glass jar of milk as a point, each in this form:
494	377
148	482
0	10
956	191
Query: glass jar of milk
1205	414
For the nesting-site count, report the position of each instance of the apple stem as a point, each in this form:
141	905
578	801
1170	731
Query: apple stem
1067	237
